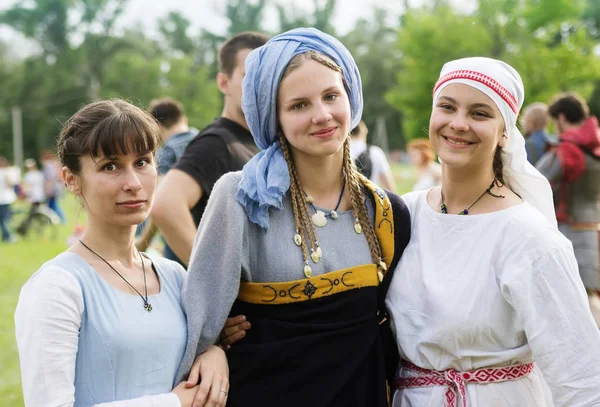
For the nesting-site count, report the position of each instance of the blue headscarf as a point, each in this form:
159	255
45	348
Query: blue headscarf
265	178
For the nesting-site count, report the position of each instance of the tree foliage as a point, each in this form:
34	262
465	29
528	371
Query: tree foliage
550	42
554	44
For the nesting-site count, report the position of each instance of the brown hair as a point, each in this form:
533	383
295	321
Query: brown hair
4	162
571	105
109	128
229	50
166	110
304	226
424	147
498	166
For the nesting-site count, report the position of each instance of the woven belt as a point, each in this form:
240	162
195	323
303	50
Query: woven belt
455	381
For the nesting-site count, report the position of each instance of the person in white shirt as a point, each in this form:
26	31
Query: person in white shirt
101	324
33	183
370	160
487	296
7	197
33	189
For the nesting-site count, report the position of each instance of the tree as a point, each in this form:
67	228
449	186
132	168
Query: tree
428	39
591	17
373	45
175	31
292	17
547	41
243	15
46	22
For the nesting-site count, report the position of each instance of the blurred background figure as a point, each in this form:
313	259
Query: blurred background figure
221	147
33	191
370	160
7	197
53	185
33	183
176	134
534	123
573	167
422	157
175	131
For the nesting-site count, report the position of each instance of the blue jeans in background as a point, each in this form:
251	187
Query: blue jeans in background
54	205
5	214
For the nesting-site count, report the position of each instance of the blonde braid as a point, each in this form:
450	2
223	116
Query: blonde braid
359	208
300	228
305	212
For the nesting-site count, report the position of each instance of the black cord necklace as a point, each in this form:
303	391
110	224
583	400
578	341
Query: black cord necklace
147	305
466	211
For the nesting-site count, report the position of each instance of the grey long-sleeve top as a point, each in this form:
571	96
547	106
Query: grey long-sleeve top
229	248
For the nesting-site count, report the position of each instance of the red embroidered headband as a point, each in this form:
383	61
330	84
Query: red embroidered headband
484	79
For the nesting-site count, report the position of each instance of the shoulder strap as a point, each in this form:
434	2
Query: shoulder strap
392	224
217	131
402	231
364	163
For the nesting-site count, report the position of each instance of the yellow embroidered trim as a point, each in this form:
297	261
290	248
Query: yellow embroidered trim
384	220
309	289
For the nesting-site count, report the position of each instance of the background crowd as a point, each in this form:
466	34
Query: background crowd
554	44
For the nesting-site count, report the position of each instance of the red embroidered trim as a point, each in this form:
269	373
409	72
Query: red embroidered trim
486	80
455	381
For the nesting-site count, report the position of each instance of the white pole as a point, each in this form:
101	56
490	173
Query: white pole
17	122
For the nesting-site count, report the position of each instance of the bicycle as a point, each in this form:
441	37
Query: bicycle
35	221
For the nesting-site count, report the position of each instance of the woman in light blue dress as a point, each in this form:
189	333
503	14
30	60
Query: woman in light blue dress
102	324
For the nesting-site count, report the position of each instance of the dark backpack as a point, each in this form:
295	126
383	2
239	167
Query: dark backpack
364	164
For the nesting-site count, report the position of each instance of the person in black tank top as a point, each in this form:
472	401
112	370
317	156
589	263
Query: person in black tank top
224	146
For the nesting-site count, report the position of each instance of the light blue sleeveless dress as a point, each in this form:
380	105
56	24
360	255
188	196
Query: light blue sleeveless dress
124	351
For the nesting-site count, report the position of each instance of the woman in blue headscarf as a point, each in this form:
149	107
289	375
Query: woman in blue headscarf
298	241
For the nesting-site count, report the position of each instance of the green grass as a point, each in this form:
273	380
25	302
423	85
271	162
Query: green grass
404	176
20	260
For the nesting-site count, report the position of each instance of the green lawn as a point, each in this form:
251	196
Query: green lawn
19	260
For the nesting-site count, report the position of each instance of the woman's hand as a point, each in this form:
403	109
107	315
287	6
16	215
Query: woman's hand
234	330
212	370
185	394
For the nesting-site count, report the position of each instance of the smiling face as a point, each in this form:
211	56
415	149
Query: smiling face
465	128
116	190
314	110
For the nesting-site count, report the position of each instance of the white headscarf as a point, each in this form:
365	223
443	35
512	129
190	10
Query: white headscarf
503	84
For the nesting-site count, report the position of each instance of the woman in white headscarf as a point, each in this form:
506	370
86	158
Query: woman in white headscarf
487	293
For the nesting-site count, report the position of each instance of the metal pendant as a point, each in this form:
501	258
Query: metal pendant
147	306
319	219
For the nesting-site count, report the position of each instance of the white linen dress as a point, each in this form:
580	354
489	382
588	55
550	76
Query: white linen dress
493	290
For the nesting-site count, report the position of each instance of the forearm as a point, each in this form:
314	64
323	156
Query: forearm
179	230
147	235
